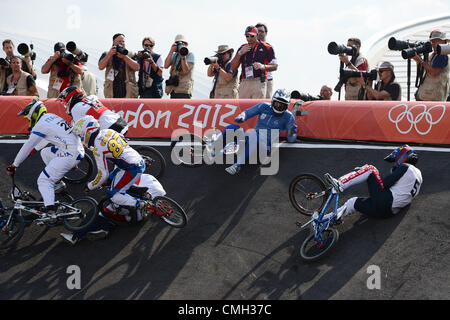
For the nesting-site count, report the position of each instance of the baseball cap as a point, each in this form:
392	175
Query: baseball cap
251	30
437	34
386	65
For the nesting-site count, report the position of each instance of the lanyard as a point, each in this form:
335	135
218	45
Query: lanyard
254	53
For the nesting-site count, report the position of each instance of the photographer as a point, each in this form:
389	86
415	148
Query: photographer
435	84
386	88
325	94
357	62
8	48
65	71
150	71
20	83
181	62
120	67
226	82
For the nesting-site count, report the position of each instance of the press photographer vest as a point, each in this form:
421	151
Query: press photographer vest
75	80
227	90
435	88
2	79
157	80
21	87
130	81
186	82
89	83
352	86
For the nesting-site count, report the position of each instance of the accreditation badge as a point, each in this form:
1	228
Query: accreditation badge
57	84
249	72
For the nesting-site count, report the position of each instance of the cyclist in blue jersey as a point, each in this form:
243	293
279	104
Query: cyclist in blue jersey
272	115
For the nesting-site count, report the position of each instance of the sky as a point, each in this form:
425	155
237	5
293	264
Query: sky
299	31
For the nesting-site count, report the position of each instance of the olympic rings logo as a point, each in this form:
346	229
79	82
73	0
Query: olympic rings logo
407	114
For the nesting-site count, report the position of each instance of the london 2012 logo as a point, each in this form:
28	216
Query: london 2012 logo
420	117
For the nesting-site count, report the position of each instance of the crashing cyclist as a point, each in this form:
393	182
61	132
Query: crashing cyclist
79	105
66	152
271	116
388	195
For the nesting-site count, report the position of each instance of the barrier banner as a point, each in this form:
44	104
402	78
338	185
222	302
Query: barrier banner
389	121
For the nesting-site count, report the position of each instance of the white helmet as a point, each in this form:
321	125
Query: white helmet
281	100
84	128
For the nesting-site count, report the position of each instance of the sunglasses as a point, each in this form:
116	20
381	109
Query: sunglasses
148	45
250	36
381	71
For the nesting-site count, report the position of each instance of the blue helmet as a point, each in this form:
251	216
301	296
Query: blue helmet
403	154
280	101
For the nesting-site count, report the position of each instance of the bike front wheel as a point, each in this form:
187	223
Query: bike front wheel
314	249
155	164
170	212
83	220
81	172
308	194
10	232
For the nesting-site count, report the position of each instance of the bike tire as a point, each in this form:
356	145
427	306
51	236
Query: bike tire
188	150
155	164
308	194
310	251
89	207
81	172
10	237
174	213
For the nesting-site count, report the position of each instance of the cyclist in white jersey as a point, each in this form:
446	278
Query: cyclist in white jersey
388	195
66	152
78	105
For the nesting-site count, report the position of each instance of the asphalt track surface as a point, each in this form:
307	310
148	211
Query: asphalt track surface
241	241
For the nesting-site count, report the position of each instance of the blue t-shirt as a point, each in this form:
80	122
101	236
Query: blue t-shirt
267	119
189	58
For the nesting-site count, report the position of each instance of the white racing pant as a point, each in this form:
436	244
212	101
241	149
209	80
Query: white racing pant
57	163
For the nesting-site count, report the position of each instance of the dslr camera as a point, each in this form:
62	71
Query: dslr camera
367	75
173	80
27	51
121	50
62	50
81	55
305	96
144	54
335	49
181	48
4	63
217	58
409	49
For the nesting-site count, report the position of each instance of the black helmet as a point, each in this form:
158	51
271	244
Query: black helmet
403	154
280	101
70	96
33	111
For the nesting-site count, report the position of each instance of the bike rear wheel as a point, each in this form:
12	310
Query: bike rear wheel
170	212
81	172
308	194
188	150
155	164
9	235
82	221
312	250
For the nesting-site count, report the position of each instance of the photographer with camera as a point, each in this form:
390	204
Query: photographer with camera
226	82
120	66
387	88
325	94
181	62
357	62
150	71
8	48
434	86
65	70
257	59
19	82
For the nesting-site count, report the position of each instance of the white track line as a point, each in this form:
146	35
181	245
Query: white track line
283	145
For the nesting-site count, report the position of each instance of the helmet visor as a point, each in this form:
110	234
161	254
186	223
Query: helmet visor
279	106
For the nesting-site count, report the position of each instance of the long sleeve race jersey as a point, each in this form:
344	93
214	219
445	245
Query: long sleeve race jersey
54	130
111	145
270	120
91	106
404	182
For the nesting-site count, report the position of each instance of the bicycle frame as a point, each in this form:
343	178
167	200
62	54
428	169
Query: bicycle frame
320	224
